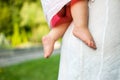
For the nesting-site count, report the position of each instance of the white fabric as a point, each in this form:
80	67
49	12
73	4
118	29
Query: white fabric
79	62
51	7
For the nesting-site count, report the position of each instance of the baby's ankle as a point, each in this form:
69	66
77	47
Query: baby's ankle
81	25
50	37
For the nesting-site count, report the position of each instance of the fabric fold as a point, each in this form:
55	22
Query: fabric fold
52	7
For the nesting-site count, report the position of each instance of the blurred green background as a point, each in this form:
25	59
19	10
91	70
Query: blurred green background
22	23
38	69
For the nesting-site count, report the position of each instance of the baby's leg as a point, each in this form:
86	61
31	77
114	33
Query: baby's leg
79	13
49	40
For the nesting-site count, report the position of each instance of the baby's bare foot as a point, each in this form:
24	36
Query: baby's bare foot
48	45
84	34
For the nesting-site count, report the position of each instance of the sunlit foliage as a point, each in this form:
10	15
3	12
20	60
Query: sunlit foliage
22	21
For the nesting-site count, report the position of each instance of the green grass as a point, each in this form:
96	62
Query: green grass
39	69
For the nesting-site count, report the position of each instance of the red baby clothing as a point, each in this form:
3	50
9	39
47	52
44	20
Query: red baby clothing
64	15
